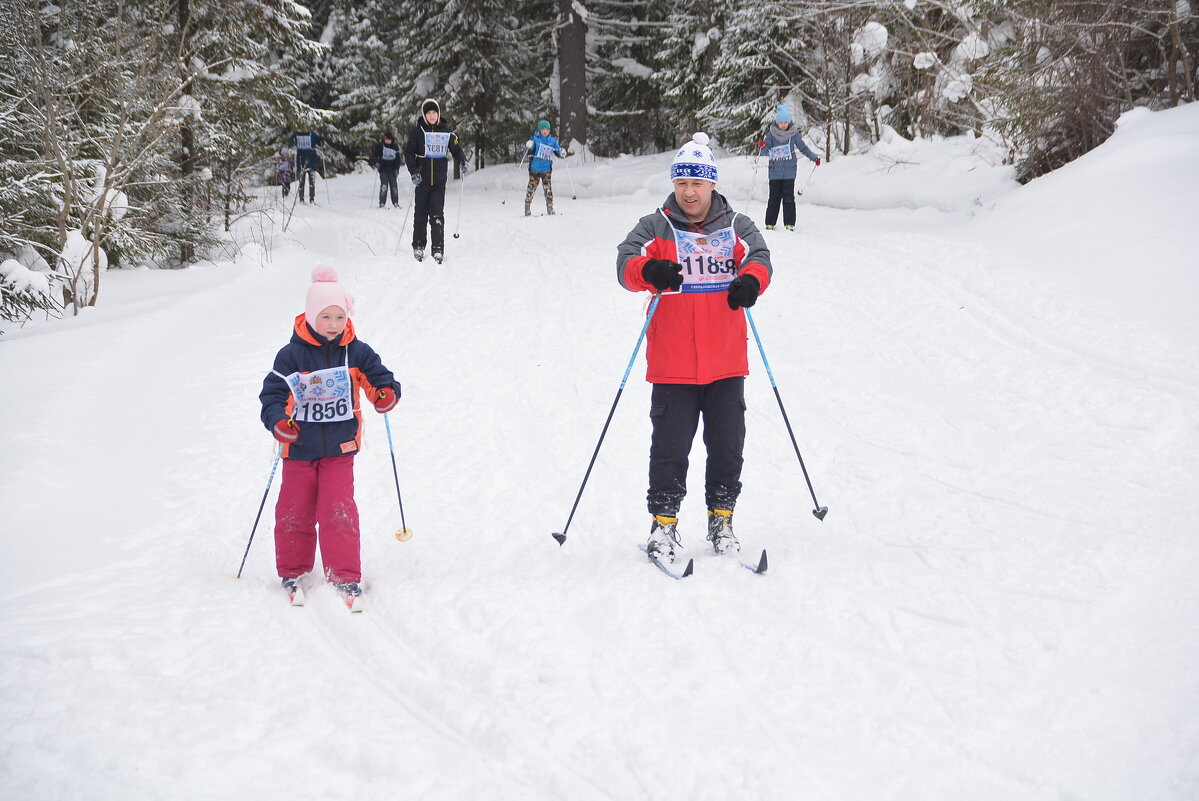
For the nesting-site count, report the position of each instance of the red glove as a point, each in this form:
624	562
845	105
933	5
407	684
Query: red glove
817	162
286	431
761	143
385	400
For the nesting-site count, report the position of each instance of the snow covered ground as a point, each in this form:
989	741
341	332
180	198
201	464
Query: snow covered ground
998	402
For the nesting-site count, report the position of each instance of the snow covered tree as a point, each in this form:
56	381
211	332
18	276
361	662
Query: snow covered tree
488	66
686	61
758	66
624	38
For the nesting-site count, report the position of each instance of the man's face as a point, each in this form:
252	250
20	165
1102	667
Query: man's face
431	116
694	196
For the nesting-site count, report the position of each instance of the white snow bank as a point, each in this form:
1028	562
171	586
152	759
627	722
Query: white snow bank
958	174
1112	222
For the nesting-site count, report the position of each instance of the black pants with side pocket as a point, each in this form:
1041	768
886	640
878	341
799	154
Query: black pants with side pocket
675	412
429	216
782	191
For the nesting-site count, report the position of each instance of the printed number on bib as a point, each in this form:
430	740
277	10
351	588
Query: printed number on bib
781	152
437	145
303	143
545	152
707	259
389	154
324	396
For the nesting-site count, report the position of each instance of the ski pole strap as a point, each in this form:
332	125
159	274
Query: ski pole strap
749	316
649	316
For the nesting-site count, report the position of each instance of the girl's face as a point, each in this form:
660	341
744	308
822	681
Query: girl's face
431	116
784	125
331	322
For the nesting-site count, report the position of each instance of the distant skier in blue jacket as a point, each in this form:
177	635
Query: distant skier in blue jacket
308	161
541	148
780	143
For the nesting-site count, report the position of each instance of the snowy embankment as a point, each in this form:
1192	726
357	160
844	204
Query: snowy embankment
1001	603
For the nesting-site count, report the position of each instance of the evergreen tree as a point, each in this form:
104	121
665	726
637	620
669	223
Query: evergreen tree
624	39
488	67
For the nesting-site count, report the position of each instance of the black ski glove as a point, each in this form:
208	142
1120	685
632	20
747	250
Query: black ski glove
416	179
743	292
663	274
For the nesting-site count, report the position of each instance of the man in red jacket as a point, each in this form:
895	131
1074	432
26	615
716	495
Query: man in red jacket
709	262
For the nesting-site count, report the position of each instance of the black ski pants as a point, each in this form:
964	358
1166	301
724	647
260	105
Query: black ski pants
781	190
675	411
387	183
311	175
429	211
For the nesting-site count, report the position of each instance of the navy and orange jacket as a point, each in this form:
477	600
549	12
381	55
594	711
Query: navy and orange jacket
308	352
694	338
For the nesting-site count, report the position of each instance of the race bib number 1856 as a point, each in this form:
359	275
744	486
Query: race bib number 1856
323	396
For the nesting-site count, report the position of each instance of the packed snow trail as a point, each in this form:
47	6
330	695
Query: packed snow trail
1006	568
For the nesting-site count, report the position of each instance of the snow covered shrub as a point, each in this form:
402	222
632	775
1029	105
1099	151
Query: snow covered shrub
26	286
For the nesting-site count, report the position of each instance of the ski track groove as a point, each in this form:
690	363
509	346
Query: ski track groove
1005	329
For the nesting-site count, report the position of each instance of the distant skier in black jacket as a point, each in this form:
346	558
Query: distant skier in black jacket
386	159
430	145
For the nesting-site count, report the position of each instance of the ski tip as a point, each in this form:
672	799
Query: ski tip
689	569
762	565
561	538
820	512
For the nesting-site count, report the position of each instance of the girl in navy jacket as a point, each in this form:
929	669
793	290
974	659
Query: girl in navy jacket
310	405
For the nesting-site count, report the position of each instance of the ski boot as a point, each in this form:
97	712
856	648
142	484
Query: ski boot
789	227
770	228
720	531
663	537
351	594
295	593
418	254
438	256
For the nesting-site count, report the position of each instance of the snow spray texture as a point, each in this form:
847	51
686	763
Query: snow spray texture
429	147
316	382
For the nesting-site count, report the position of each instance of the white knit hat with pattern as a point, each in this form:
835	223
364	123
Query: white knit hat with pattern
694	160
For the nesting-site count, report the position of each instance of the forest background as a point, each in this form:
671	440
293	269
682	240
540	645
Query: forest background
133	133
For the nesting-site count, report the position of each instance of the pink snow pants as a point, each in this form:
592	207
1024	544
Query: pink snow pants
318	495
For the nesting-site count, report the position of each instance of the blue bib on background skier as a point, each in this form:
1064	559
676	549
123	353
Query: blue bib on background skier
541	151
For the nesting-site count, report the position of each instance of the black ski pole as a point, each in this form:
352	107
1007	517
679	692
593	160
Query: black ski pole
267	491
561	537
819	511
405	533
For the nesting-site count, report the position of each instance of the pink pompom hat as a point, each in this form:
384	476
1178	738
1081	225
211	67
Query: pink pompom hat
326	291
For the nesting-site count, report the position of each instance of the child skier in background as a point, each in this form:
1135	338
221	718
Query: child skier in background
540	148
780	143
310	405
283	171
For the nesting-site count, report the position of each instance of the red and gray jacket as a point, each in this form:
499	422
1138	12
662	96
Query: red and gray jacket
308	352
694	338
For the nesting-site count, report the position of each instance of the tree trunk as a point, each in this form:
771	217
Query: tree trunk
188	144
572	74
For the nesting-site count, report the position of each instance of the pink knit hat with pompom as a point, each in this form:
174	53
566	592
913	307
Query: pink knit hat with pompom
324	292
